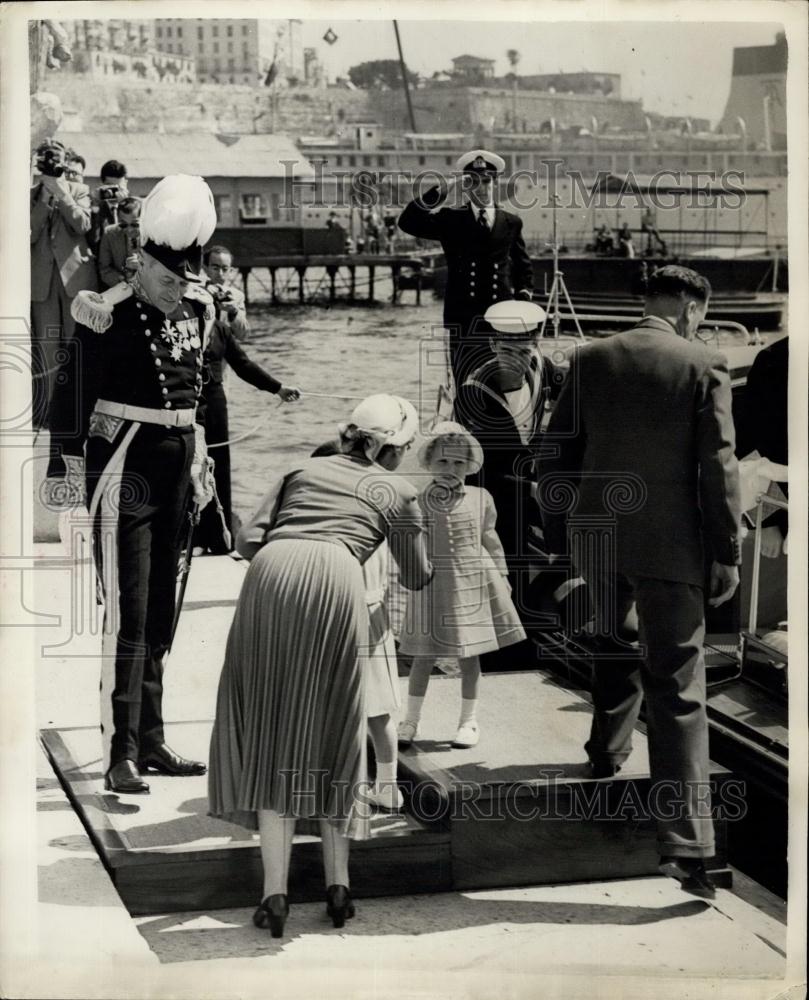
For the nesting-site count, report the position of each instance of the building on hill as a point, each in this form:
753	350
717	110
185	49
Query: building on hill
251	176
757	101
472	69
590	84
122	50
249	51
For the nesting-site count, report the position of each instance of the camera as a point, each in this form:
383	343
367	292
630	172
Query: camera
223	299
51	162
109	192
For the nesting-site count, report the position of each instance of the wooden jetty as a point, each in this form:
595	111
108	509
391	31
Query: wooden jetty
512	811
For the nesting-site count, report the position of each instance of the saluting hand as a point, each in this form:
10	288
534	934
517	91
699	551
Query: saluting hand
289	393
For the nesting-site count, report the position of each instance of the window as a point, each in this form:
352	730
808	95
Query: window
231	64
216	31
366	161
199	33
380	161
230	31
216	63
352	161
224	209
245	50
169	32
422	161
253	210
216	46
230	46
338	161
159	32
180	31
448	161
244	29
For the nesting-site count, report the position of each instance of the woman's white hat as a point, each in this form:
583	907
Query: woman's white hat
514	316
383	418
450	429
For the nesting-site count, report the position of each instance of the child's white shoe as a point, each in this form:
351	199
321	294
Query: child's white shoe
386	796
467	736
406	732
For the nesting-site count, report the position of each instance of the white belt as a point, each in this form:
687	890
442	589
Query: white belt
147	415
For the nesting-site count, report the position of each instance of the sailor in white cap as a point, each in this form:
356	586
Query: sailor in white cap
502	403
127	413
484	248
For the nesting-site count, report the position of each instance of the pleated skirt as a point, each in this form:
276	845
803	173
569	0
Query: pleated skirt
290	727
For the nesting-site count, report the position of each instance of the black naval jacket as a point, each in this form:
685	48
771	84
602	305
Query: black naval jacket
483	265
132	362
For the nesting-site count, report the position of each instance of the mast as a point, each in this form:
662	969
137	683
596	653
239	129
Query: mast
405	82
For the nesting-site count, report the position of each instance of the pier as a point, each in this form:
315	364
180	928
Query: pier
340	274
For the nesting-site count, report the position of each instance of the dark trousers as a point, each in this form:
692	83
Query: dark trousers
669	669
51	326
138	561
209	534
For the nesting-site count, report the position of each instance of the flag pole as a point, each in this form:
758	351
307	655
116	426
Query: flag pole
405	81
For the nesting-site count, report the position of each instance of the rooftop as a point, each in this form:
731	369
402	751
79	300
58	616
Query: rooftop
150	154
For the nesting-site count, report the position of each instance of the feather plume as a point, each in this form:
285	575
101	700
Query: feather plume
178	211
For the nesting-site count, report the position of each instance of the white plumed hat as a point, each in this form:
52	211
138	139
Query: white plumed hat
176	221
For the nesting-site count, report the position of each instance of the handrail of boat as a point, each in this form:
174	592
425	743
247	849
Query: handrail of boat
715	324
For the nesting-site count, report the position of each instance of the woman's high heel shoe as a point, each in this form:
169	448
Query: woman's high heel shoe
272	912
339	904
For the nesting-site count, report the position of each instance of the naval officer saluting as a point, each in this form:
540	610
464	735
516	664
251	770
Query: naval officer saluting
127	411
484	248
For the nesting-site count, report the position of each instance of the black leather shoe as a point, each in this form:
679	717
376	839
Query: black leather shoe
165	761
272	912
123	777
603	769
339	904
691	874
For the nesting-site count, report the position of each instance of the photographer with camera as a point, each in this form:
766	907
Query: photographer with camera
107	197
223	348
119	249
229	300
61	266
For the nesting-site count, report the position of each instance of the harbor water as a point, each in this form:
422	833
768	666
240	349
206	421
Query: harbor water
339	351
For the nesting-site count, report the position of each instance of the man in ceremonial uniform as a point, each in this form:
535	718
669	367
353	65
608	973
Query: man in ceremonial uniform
126	409
484	249
644	462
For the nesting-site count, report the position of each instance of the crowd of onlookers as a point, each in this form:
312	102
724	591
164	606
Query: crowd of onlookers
80	240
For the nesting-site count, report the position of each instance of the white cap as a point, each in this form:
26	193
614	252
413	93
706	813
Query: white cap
448	429
481	160
383	418
514	316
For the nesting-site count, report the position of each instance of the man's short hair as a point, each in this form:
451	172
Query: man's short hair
112	168
671	281
215	249
129	205
72	156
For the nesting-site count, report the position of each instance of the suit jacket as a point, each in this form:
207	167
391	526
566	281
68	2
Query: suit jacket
483	265
643	429
58	240
114	248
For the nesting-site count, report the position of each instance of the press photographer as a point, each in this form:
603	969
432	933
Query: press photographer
61	266
119	250
107	198
229	301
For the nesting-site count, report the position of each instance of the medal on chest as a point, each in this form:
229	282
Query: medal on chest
180	335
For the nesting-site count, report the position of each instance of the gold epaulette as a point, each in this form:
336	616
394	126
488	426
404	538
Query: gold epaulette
94	309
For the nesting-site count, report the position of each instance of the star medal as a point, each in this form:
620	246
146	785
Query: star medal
195	342
176	352
176	339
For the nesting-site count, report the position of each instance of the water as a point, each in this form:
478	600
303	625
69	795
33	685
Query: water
348	350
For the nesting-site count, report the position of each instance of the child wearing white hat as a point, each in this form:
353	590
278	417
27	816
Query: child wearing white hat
466	609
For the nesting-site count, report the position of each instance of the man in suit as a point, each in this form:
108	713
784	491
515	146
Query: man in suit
118	249
645	480
484	248
61	265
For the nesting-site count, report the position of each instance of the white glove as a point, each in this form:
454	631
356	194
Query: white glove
201	470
